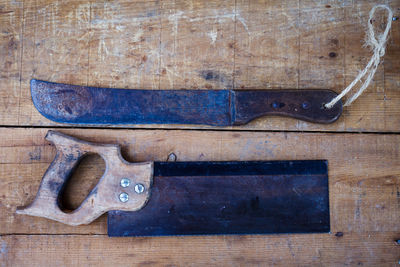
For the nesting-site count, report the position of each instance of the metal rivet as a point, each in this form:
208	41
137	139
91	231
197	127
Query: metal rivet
275	105
123	197
139	188
305	105
125	182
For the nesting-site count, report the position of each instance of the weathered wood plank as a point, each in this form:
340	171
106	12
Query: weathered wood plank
125	44
367	249
11	24
201	44
56	47
267	44
364	170
197	44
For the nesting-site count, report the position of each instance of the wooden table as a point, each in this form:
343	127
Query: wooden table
202	44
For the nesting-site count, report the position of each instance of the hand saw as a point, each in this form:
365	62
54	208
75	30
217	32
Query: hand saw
188	198
91	105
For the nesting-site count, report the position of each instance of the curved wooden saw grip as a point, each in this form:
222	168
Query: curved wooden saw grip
109	194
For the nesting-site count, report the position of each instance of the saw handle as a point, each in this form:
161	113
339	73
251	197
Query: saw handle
108	194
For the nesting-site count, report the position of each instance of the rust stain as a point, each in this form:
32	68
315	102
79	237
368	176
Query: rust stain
70	103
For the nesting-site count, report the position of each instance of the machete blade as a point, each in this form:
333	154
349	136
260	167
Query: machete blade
74	104
196	198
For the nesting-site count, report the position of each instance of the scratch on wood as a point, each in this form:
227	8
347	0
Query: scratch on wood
220	18
290	246
102	51
121	27
213	36
357	212
137	36
242	20
3	251
174	18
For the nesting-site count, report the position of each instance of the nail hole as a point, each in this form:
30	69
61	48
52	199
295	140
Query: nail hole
171	157
332	54
339	234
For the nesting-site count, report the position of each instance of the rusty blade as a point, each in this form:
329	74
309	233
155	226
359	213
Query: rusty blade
92	105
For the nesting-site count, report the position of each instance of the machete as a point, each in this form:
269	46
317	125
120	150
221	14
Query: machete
188	198
92	105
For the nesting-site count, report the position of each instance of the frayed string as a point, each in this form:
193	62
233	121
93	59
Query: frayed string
378	47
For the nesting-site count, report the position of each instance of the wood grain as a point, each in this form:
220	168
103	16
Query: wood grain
242	44
11	24
198	44
353	249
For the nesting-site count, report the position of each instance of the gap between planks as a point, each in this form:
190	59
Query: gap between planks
194	129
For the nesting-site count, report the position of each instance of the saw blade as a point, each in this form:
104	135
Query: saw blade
196	198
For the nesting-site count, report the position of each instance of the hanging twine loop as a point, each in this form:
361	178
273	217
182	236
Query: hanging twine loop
378	47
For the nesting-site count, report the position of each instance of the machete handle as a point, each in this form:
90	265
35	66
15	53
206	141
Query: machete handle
307	105
109	194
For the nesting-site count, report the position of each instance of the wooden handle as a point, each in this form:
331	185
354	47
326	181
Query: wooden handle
109	194
305	105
